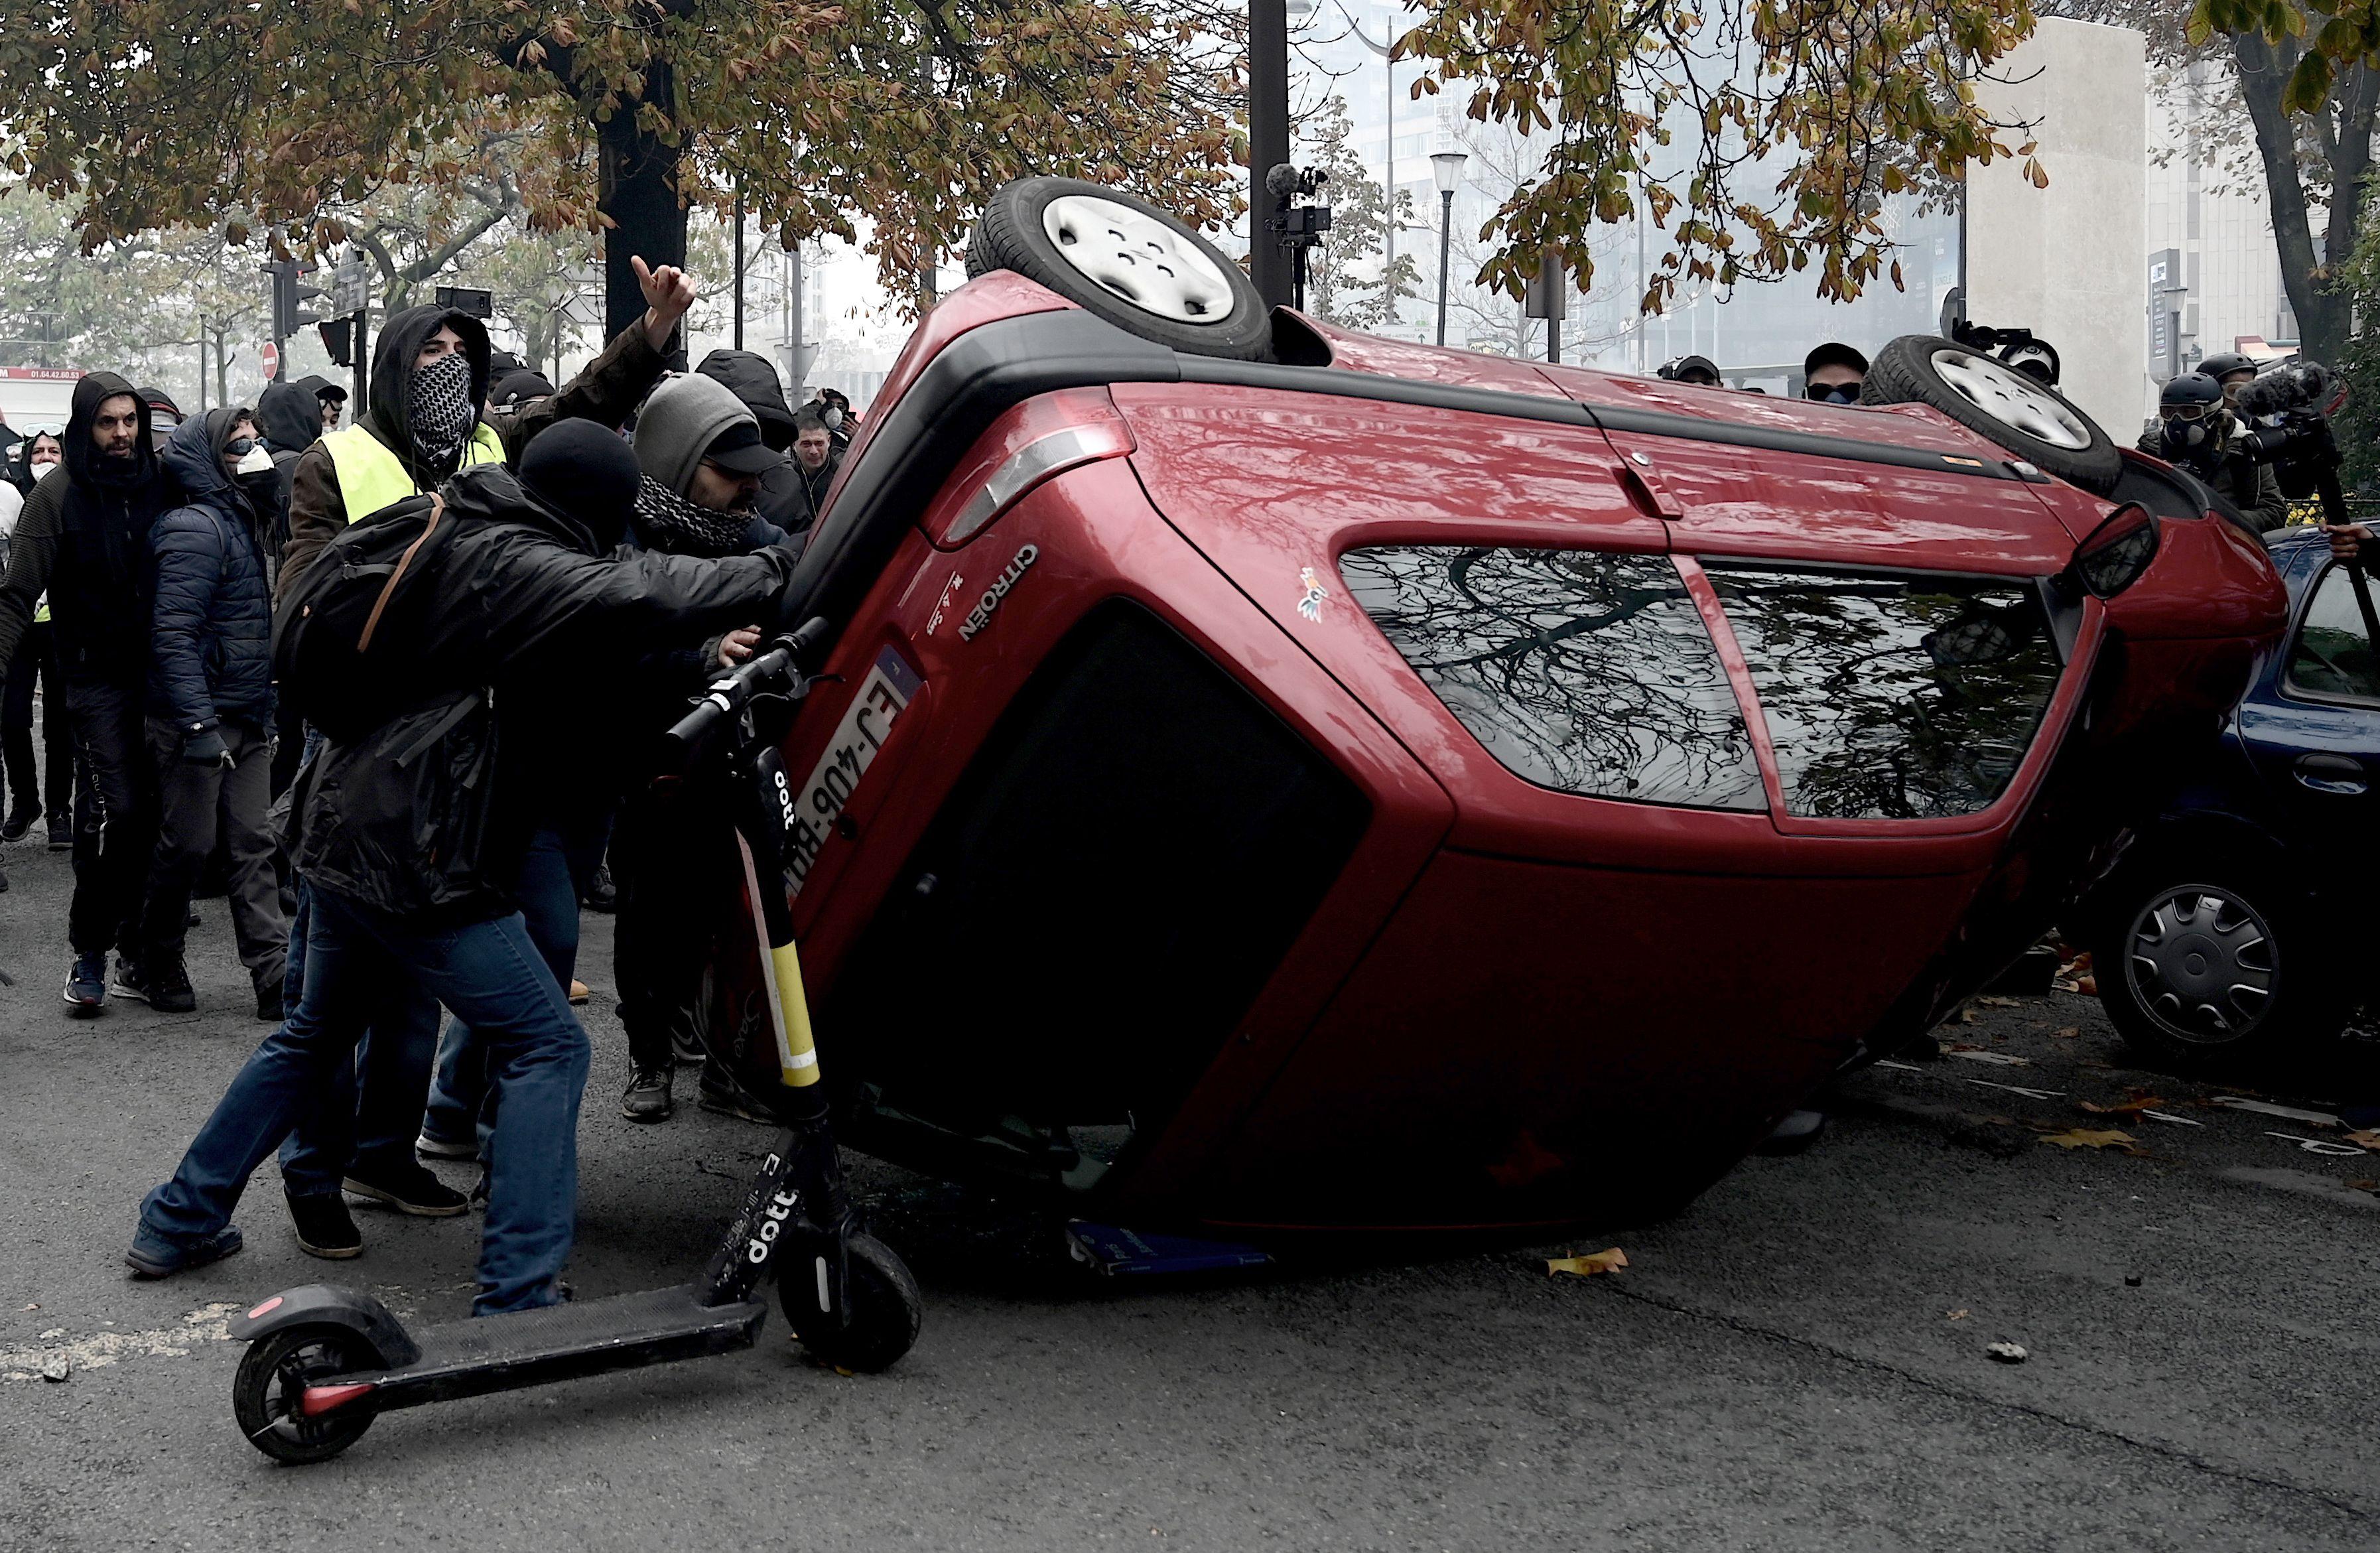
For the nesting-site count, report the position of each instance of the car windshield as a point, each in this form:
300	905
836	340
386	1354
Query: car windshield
1891	697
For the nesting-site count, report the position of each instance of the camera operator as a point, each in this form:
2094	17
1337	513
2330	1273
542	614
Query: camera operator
2195	429
531	615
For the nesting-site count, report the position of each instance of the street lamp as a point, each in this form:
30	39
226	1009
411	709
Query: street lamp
1446	166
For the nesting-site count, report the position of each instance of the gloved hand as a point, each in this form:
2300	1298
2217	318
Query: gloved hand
206	747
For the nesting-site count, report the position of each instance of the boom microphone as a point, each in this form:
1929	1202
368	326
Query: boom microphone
1282	180
2308	385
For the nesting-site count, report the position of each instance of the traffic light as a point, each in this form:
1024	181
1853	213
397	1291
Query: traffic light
338	336
287	294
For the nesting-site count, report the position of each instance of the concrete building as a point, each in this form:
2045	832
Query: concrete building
2061	261
2213	276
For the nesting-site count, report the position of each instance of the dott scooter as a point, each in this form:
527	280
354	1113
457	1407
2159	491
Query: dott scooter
322	1361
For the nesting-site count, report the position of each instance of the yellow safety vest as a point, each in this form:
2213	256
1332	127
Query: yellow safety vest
371	478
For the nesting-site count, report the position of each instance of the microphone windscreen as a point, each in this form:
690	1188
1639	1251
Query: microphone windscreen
1282	179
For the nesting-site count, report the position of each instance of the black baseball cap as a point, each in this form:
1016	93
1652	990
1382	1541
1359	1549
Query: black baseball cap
1834	353
740	450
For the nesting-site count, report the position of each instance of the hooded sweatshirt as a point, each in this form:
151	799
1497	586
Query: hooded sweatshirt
676	427
291	418
605	391
82	539
753	379
212	654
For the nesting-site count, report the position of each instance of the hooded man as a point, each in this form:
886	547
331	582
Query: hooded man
429	375
35	457
753	380
82	540
534	602
428	381
211	703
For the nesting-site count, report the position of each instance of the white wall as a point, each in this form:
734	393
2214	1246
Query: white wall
2067	261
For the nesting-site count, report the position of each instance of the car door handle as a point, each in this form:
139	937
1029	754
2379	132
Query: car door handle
2342	774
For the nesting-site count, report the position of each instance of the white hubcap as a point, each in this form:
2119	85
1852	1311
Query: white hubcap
1138	257
2008	396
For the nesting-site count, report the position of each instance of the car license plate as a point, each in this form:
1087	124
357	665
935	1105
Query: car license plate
890	686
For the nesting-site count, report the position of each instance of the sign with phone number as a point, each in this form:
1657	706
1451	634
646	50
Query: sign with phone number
889	688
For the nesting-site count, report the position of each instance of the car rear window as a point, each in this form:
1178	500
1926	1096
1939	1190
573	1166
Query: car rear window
2332	656
1891	697
1587	672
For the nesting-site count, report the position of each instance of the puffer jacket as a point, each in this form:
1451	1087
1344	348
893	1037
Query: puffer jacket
531	624
211	654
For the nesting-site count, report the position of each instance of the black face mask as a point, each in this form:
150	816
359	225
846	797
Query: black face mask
1835	394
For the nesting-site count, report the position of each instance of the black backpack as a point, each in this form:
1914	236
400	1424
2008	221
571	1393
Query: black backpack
346	643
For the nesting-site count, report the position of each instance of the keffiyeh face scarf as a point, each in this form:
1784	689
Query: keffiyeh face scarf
667	521
442	410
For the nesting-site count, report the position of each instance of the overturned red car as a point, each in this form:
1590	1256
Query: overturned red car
1274	778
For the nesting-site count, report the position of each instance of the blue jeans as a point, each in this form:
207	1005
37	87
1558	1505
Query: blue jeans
556	868
384	1080
537	1058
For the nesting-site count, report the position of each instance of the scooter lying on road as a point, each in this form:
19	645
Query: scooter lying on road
323	1362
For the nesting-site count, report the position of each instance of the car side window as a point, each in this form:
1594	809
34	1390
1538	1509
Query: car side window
1582	671
2332	654
1891	697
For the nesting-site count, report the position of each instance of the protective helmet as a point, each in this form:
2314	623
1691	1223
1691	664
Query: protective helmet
2036	359
2222	366
2190	412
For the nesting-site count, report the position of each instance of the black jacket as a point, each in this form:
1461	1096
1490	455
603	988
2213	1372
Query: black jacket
2252	488
783	501
212	654
527	633
83	539
291	420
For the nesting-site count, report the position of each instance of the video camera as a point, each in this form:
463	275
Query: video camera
2298	400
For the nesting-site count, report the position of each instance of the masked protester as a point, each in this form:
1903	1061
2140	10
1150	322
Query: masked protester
36	669
82	541
2232	370
783	500
2194	431
429	383
211	702
536	614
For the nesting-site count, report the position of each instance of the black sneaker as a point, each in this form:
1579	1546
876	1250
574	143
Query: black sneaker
268	1004
20	820
169	988
152	1255
130	980
686	1046
648	1097
86	990
60	834
602	894
416	1192
433	1147
325	1227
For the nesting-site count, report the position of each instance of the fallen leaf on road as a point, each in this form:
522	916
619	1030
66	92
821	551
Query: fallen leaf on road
1997	1003
2362	1185
2071	1032
1958	1314
2123	1108
2369	1139
2007	1352
1967	1016
2084	1138
1588	1265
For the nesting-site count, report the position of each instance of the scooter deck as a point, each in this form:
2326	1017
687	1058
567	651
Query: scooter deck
559	1342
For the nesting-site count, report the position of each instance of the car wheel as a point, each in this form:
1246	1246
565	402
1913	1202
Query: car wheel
1125	261
1993	399
2214	971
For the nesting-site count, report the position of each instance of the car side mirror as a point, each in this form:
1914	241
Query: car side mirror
2117	552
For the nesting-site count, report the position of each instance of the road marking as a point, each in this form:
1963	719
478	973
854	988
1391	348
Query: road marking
207	1324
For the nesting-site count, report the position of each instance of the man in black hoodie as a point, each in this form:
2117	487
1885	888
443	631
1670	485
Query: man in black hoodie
533	616
82	539
783	501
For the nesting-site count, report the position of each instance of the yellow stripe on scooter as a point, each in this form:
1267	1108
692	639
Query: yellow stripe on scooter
797	1055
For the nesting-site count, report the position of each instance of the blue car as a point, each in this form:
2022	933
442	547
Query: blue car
2216	936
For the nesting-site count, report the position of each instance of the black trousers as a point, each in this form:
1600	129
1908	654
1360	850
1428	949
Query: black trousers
673	861
116	814
35	662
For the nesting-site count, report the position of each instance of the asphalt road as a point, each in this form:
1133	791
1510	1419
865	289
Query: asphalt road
1797	1361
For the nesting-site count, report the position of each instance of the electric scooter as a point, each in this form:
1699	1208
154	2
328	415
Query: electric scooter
323	1362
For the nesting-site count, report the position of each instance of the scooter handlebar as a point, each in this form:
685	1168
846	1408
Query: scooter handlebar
727	697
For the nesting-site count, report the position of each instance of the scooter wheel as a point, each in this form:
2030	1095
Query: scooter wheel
886	1309
275	1372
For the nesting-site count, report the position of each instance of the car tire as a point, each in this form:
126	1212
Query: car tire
1125	261
1988	397
2178	941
